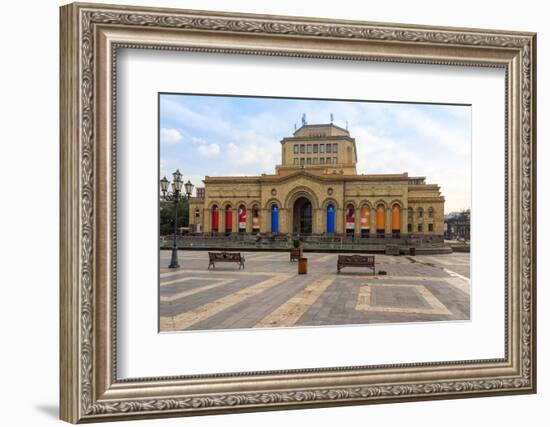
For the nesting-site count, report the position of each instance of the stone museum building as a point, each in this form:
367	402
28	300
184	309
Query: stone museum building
316	190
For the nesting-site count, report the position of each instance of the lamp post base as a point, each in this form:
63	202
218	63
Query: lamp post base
174	261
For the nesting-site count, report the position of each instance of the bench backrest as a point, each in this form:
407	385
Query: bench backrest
224	256
356	259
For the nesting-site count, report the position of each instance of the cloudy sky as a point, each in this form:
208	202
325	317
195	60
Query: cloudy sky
217	135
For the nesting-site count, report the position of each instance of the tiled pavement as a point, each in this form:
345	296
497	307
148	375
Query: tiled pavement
270	293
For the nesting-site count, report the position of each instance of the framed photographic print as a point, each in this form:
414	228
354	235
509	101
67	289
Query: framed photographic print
266	212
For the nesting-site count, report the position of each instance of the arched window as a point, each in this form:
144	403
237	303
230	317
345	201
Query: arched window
228	219
274	218
365	221
380	220
255	219
430	212
395	220
350	219
242	218
420	212
215	218
330	219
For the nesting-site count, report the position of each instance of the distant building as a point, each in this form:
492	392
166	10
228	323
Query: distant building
316	190
457	225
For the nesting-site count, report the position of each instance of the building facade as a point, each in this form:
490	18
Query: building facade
316	191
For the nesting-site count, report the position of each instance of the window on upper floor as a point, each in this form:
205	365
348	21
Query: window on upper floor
321	148
329	148
302	148
295	148
308	148
315	148
334	148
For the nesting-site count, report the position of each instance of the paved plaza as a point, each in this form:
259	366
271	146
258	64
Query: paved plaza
269	293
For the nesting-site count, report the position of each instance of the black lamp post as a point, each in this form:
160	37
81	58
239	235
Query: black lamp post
175	196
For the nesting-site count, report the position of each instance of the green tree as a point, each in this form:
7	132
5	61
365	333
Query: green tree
167	214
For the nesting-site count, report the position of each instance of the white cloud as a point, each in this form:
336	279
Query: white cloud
170	135
254	158
455	139
209	150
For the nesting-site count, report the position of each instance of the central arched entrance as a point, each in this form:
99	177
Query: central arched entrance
302	216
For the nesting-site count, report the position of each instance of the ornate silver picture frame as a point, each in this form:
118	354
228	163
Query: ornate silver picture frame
91	36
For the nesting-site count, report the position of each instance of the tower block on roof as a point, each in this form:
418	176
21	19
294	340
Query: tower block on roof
322	149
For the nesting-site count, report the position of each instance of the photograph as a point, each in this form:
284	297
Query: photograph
285	212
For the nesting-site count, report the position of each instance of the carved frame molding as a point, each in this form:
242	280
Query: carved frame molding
90	37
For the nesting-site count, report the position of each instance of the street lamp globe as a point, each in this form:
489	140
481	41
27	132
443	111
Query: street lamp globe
177	175
188	188
176	185
164	185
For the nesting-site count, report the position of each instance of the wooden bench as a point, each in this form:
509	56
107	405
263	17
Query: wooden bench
225	257
356	261
296	254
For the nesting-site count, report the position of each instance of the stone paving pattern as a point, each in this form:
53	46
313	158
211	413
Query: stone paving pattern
270	293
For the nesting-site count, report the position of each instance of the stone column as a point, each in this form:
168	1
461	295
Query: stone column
265	226
339	219
206	221
318	224
235	219
404	219
283	220
358	221
221	219
388	221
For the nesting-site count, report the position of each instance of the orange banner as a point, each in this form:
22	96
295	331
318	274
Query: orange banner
365	218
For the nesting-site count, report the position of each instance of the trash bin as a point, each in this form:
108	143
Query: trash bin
302	266
412	251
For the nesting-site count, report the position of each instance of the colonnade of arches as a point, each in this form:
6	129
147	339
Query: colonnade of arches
223	218
364	220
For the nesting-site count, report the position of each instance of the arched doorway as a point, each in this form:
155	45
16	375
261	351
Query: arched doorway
215	218
274	218
228	220
242	218
302	216
330	219
365	221
396	221
350	220
255	219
